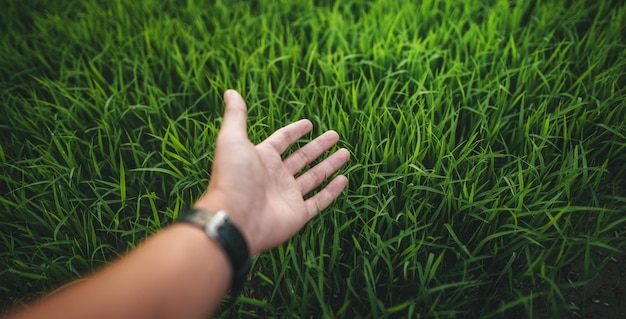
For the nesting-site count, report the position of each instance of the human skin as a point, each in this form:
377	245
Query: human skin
180	272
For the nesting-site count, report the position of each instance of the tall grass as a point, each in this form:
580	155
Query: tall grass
488	143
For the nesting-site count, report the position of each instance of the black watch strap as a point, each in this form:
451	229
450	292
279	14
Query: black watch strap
219	227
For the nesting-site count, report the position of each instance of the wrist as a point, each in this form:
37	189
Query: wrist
197	238
212	201
218	226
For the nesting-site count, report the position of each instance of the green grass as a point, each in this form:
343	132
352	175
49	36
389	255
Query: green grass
488	142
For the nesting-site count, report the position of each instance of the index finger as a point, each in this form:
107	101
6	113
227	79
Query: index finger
285	136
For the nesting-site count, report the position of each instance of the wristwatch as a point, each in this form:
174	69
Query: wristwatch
219	227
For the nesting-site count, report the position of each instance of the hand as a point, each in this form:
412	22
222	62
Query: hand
259	189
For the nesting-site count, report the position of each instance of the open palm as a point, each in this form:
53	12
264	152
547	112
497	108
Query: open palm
259	189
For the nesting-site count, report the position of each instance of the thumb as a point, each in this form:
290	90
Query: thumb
234	122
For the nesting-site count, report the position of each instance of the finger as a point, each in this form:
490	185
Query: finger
285	136
322	171
234	122
326	196
310	152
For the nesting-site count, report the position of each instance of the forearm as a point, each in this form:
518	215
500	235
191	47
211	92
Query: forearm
177	273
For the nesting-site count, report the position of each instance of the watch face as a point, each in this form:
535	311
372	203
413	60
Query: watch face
200	217
216	221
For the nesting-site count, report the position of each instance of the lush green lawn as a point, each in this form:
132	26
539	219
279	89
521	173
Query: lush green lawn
488	142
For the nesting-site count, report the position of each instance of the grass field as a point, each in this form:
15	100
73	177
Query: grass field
488	141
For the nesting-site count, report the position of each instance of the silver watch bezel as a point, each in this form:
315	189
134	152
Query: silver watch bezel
215	223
